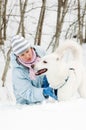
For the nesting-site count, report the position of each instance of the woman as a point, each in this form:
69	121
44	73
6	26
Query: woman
27	87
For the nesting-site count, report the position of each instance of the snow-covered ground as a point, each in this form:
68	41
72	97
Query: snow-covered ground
69	115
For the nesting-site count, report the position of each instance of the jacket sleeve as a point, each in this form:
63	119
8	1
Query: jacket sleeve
24	88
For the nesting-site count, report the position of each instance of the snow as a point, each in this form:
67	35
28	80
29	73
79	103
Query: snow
70	115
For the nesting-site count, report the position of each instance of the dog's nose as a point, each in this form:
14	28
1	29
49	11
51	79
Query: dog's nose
32	66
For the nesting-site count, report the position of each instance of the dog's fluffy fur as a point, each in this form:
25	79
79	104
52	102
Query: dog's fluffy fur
66	75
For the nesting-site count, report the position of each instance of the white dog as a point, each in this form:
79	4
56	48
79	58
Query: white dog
66	76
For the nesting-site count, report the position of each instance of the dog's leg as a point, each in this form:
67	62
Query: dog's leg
82	88
55	91
69	89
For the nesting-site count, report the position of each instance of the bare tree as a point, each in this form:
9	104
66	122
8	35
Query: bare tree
21	26
83	23
22	12
6	68
4	18
85	33
40	24
61	12
1	40
79	23
62	8
76	27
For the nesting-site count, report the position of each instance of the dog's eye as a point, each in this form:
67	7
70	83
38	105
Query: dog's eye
44	61
57	58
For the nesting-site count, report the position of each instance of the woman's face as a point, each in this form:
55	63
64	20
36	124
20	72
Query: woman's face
27	55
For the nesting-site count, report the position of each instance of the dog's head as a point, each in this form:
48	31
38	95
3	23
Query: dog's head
55	66
52	66
46	64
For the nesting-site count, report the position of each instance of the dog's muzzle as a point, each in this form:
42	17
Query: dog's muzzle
41	71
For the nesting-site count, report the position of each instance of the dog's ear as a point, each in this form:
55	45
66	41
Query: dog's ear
59	55
61	52
57	58
65	56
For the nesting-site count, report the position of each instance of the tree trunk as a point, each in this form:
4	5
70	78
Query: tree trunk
85	33
6	68
4	19
79	23
61	12
40	24
22	12
1	40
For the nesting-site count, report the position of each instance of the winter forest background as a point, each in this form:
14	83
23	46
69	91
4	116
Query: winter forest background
46	23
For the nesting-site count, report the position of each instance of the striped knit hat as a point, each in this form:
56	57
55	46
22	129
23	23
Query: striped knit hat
19	44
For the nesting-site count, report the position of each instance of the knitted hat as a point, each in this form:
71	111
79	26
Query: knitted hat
19	44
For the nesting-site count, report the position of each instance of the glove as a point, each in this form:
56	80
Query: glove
45	82
49	92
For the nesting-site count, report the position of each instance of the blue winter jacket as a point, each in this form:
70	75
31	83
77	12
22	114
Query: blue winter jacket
26	91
